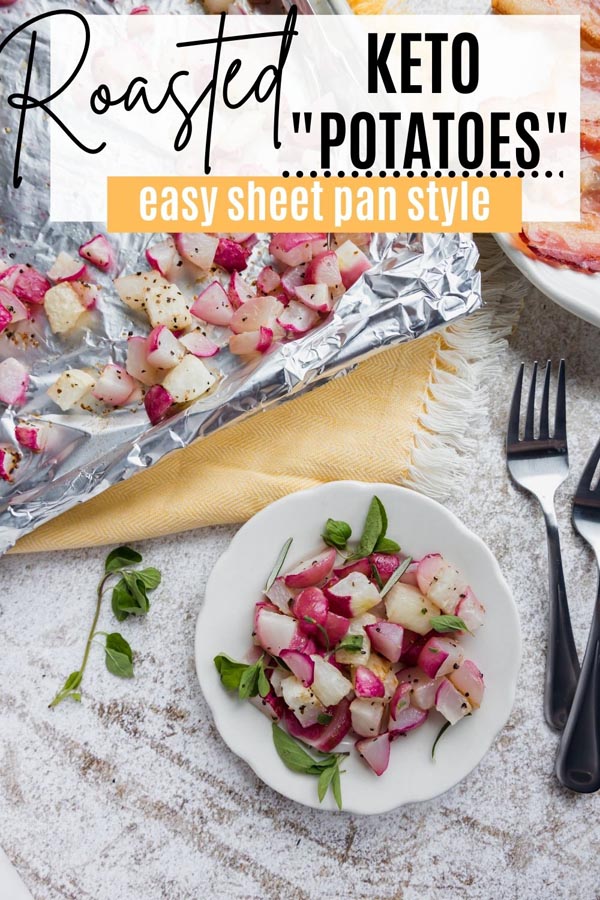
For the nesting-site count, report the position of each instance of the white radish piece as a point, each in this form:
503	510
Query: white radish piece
9	460
422	688
407	606
356	627
65	268
301	700
5	317
352	263
315	296
14	381
166	305
276	679
441	582
469	681
251	342
196	343
70	388
33	437
300	664
312	570
238	291
17	311
199	249
164	258
133	289
386	638
259	312
293	278
188	380
88	293
439	656
353	595
63	307
470	610
137	364
406	719
212	305
451	703
293	249
114	387
157	403
281	595
268	280
324	269
275	632
297	318
163	348
99	252
329	684
367	716
367	684
382	668
375	752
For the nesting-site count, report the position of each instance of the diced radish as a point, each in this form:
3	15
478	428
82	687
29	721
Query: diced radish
352	263
440	656
407	606
199	249
157	402
312	570
298	318
164	350
324	269
315	296
281	595
422	688
17	311
5	317
212	305
470	610
114	386
166	305
469	681
276	677
134	289
275	632
442	582
65	268
311	603
163	257
188	380
293	249
256	313
14	381
231	256
31	436
361	239
356	628
63	307
268	280
26	282
429	567
137	361
366	716
196	343
367	684
141	11
301	700
361	565
383	669
9	274
293	278
400	699
336	628
70	388
353	595
411	647
300	664
329	684
240	237
99	252
375	752
262	604
88	293
323	737
385	563
406	720
9	460
410	575
251	342
451	703
387	638
238	291
271	706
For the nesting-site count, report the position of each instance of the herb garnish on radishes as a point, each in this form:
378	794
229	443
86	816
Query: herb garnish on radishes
336	533
278	564
129	597
447	623
247	680
295	757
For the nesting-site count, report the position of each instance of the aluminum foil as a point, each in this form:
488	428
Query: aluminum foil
418	282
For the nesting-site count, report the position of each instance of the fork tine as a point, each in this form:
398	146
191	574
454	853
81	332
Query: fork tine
529	419
585	482
515	409
560	423
544	427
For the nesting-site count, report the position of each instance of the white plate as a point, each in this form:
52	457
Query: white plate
575	291
421	526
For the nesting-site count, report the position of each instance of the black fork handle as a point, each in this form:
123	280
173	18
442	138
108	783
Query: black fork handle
562	662
578	759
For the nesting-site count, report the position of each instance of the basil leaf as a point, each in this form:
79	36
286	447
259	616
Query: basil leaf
384	518
294	757
324	719
263	683
351	642
118	656
249	682
336	533
324	781
447	623
440	733
230	671
120	557
278	564
385	545
396	576
122	601
372	530
336	787
151	578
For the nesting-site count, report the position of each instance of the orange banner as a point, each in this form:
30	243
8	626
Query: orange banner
228	204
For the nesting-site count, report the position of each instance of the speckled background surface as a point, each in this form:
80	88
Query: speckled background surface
132	794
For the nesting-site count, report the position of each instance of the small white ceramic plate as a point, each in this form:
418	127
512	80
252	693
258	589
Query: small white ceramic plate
421	526
575	291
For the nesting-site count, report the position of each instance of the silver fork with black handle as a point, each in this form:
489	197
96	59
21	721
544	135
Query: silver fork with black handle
539	462
578	760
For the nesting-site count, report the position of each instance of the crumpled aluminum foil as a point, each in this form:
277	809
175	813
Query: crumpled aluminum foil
418	282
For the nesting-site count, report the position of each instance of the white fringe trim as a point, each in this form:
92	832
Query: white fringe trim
456	402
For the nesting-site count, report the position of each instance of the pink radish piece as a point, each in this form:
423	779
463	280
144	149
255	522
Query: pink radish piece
275	632
212	305
9	460
386	638
293	278
65	268
469	681
5	317
451	703
315	296
240	237
470	610
311	571
385	563
375	752
88	293
366	716
361	565
199	345
297	318
281	595
141	11
352	263
259	312
163	257
238	291
164	350
300	664
231	255
353	595
268	280
114	386
14	381
400	699
422	688
440	656
336	628
30	437
406	720
99	252
271	705
323	737
329	684
324	269
441	582
311	603
293	249
411	647
367	684
137	361
251	342
16	310
199	249
157	402
410	576
26	283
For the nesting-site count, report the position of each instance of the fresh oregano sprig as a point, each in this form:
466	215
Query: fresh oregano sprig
248	679
130	597
326	767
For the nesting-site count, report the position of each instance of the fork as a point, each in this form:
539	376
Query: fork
540	465
578	759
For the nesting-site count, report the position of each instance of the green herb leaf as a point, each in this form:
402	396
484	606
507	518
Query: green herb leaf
324	719
278	564
249	682
440	733
383	516
263	683
395	576
122	601
447	623
68	689
385	545
336	786
336	533
137	589
120	558
118	656
351	642
151	578
373	529
325	779
320	628
376	576
294	756
230	670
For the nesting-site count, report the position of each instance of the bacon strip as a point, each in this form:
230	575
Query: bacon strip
589	10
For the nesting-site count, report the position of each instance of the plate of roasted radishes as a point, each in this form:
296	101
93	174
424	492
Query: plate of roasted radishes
358	647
